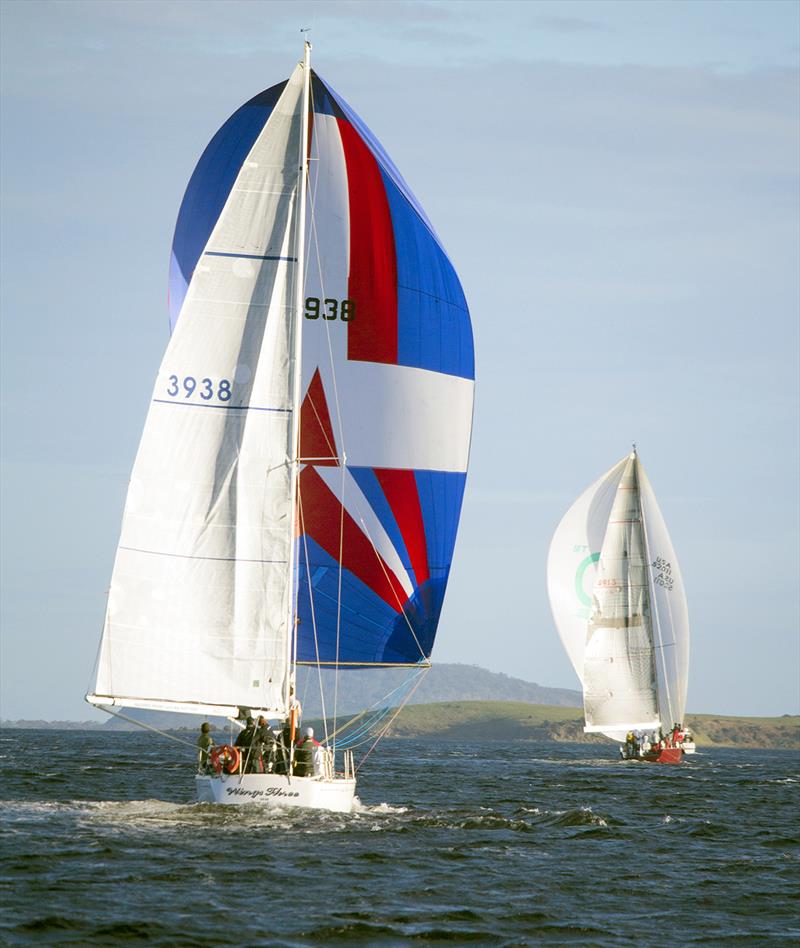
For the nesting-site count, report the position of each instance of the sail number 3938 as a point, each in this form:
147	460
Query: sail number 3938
330	309
205	388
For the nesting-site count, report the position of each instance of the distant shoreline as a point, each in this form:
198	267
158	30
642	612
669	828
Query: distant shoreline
517	721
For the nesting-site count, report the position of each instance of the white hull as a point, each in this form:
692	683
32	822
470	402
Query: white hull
688	747
316	793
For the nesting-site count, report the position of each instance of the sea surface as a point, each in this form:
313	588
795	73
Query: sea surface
468	843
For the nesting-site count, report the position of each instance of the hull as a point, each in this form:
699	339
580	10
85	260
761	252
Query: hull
667	755
688	747
336	795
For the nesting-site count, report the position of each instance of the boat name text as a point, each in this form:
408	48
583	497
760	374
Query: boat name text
255	794
664	577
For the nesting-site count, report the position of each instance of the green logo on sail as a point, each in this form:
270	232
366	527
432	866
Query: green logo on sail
583	599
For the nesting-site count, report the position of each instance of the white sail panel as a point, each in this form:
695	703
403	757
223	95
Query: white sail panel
197	611
572	562
670	611
619	672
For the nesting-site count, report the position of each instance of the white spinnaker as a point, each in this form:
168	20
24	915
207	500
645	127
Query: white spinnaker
619	677
197	613
670	611
572	562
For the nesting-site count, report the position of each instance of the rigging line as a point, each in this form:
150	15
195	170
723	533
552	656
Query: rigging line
147	727
331	447
383	732
338	607
342	452
352	740
364	733
390	584
313	613
375	704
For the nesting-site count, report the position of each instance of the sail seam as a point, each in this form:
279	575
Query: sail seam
167	401
248	256
192	556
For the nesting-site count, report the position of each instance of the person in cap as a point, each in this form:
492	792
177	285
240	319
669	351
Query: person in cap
305	755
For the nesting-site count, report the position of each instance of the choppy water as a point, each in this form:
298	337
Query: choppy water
490	843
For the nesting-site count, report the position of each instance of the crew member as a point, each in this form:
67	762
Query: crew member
265	745
204	744
244	741
304	754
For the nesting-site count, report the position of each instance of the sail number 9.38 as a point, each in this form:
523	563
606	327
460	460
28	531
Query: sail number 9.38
330	309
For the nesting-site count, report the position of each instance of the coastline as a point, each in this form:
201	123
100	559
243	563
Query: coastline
515	721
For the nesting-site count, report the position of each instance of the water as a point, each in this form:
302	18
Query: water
486	843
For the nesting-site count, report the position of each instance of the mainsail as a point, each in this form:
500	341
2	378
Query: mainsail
618	601
222	582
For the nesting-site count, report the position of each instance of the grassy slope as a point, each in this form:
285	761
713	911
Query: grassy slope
515	720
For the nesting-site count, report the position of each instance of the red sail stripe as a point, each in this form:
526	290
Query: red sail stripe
321	517
316	432
400	489
372	281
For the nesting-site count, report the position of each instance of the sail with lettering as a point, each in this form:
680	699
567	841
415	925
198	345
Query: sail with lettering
618	600
297	489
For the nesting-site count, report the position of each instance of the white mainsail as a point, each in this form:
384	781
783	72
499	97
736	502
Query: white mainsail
670	612
198	611
619	679
618	602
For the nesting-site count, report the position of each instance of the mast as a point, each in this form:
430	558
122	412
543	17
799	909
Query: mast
297	315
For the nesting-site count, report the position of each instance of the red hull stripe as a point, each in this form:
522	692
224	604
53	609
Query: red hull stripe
317	443
400	489
372	281
321	516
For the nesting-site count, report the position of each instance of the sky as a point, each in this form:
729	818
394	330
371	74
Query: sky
617	186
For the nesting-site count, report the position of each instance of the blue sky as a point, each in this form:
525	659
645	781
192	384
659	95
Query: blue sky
617	185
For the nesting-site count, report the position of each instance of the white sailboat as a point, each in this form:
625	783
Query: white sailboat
298	485
618	600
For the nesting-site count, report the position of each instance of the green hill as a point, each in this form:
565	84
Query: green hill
516	720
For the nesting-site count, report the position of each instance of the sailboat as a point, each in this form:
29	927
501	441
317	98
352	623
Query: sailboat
298	486
619	604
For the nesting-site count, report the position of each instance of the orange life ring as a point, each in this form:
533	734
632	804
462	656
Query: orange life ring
226	757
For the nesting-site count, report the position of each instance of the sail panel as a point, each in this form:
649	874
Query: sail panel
209	188
388	386
198	605
572	562
670	610
619	679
